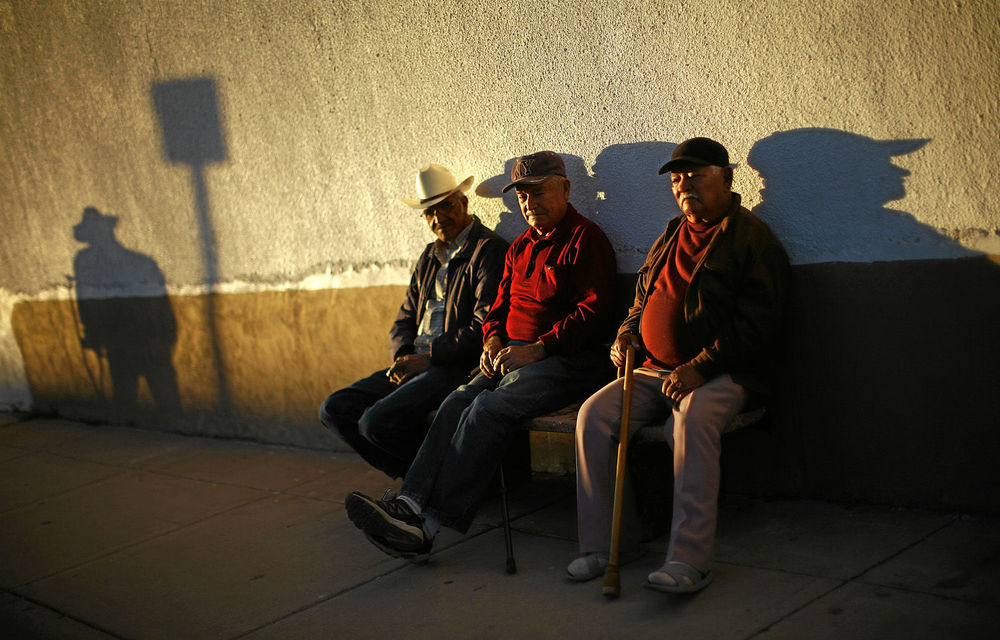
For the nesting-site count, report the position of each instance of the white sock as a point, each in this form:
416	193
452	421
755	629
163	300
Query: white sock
430	524
411	502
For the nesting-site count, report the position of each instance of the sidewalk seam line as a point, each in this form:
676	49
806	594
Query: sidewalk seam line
47	607
126	547
856	577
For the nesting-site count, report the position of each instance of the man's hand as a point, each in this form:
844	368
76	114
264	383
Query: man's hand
514	357
618	348
490	350
682	381
405	367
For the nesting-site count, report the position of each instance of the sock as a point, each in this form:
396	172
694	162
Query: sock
411	503
431	526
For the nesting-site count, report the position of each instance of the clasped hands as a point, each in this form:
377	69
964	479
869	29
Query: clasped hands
406	367
676	384
498	359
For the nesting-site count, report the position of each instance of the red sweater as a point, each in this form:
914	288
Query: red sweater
665	305
556	289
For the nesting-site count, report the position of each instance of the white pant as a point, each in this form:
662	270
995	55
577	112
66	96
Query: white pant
694	431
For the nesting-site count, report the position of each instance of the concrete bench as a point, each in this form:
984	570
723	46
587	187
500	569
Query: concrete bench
564	421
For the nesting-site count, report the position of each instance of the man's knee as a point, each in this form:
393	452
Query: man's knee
597	413
460	398
373	423
327	411
707	411
587	425
340	411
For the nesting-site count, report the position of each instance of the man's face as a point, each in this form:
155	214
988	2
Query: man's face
544	205
448	217
703	193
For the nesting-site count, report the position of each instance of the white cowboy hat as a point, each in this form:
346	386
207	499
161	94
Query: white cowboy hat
434	184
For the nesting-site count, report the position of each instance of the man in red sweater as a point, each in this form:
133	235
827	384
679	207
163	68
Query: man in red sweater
541	351
705	325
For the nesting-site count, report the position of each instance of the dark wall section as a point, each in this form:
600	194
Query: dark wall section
890	389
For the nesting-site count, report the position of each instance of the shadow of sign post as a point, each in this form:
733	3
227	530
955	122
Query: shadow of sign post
192	134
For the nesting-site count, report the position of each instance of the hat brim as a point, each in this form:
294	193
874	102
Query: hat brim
681	162
463	186
528	180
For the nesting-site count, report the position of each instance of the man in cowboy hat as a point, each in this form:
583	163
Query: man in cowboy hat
706	322
437	336
540	352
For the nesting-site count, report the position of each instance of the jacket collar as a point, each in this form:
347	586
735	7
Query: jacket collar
473	232
734	206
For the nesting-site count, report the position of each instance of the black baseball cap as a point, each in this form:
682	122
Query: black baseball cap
697	152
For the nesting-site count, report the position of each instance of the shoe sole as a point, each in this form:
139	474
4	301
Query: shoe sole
415	557
373	521
583	577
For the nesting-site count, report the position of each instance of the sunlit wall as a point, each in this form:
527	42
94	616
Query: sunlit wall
245	161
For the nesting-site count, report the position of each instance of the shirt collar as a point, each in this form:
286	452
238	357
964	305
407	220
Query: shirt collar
444	252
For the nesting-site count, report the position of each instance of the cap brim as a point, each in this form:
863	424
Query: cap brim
528	180
681	162
430	202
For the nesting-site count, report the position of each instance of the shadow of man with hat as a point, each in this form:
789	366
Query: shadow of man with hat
125	316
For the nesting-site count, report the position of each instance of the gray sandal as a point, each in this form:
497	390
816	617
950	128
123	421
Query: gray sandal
678	577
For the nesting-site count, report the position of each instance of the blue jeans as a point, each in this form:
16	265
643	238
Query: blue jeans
466	441
385	423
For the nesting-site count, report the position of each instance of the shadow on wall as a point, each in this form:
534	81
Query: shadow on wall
511	223
134	335
192	134
633	202
825	195
892	351
216	349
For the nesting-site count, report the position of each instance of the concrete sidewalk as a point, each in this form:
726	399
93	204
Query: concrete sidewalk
110	532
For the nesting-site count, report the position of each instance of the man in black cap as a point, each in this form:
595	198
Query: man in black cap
436	338
540	353
706	325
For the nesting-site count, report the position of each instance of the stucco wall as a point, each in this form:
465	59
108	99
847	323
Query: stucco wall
325	109
258	148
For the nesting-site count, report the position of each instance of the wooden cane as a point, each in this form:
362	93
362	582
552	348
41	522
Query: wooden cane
612	586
